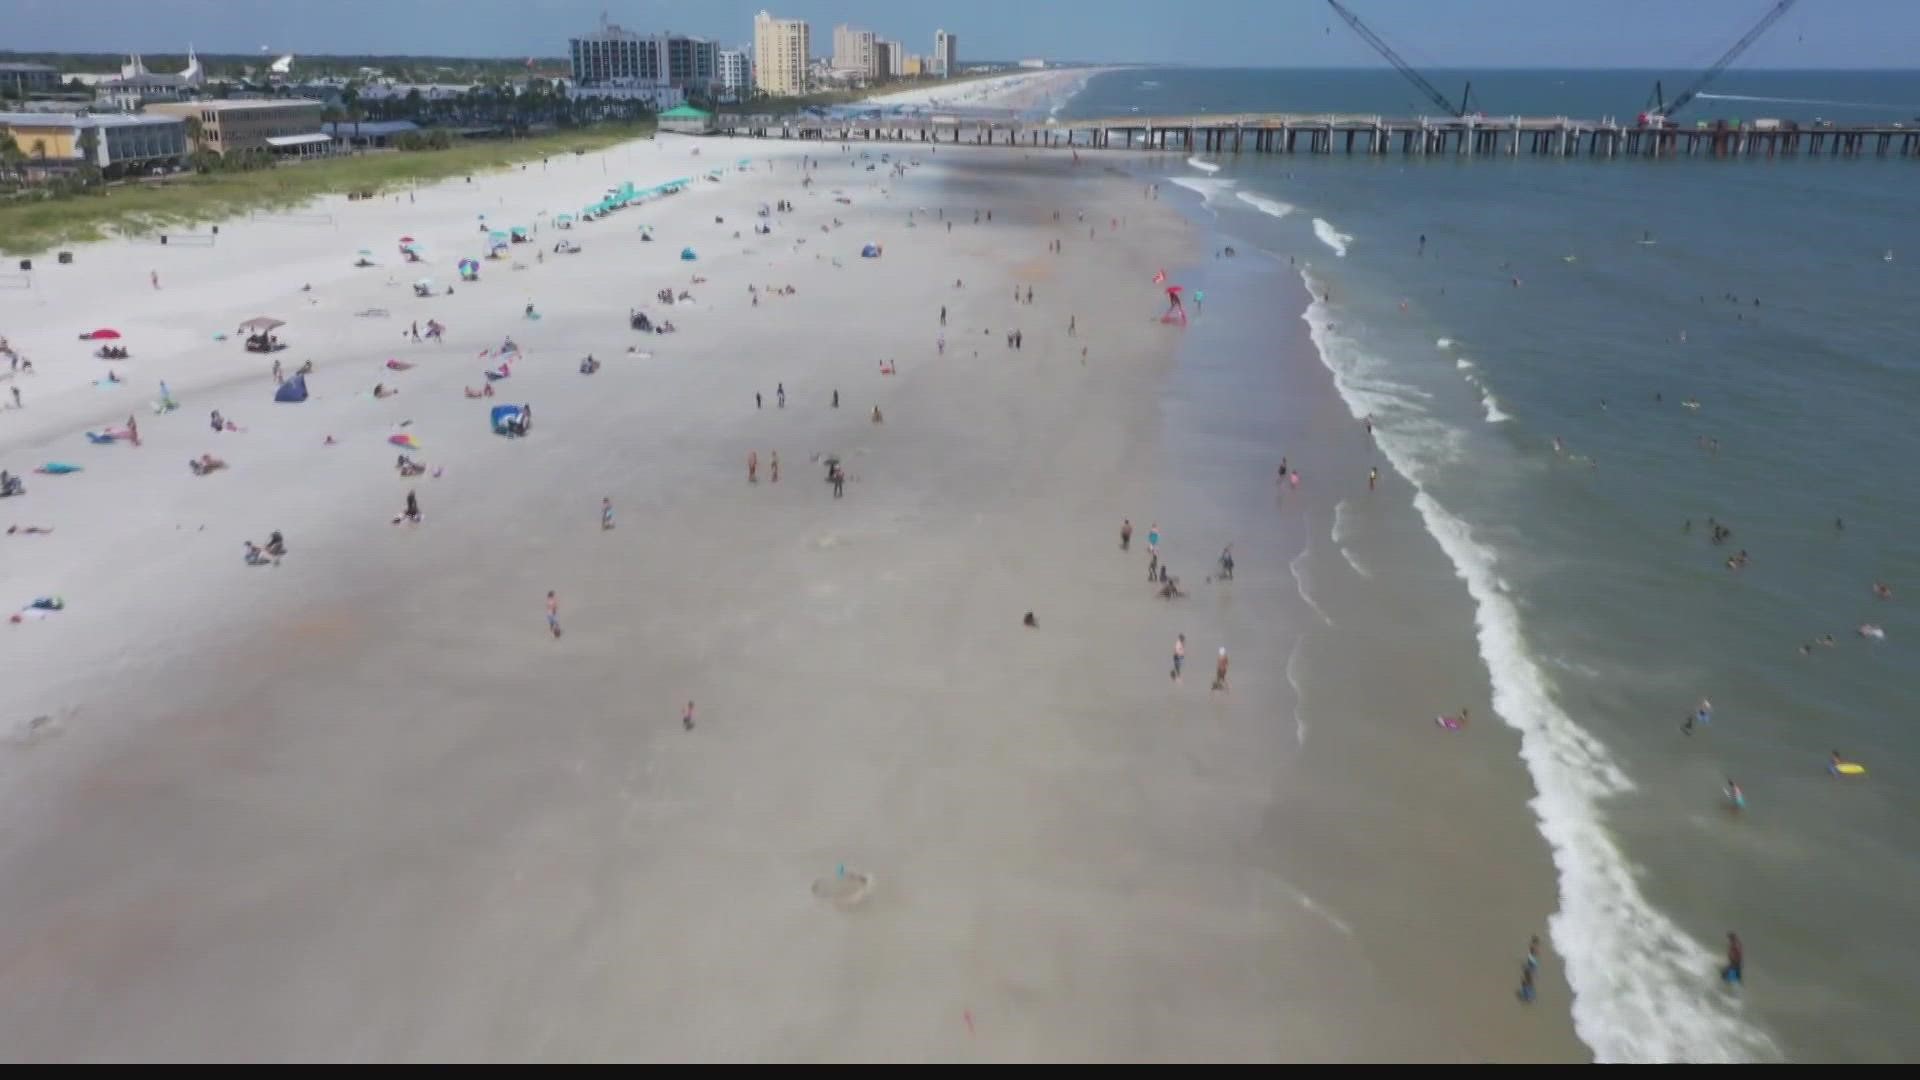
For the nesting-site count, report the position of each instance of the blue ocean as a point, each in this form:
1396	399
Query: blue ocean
1657	416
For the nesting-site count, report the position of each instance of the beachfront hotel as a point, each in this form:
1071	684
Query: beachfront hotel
735	69
857	52
945	61
780	51
119	142
616	57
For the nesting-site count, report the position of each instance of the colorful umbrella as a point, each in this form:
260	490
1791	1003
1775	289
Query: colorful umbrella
405	440
105	333
406	239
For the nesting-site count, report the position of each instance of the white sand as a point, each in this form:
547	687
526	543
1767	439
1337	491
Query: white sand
1022	90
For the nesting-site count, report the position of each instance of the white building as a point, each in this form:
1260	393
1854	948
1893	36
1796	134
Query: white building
736	73
896	58
1034	64
946	54
616	57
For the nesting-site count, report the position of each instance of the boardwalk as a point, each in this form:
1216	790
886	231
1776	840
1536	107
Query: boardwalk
1282	133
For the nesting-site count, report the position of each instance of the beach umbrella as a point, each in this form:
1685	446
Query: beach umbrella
404	440
260	324
496	235
364	251
424	283
409	239
105	333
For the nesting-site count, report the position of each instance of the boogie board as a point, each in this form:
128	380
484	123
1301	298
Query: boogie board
1850	768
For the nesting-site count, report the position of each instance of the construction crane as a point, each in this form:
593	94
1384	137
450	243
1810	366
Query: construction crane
1658	105
1433	94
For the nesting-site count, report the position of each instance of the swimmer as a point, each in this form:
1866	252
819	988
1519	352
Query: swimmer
1736	799
1881	591
1871	631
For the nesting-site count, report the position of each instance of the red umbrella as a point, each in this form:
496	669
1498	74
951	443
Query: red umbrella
105	333
406	239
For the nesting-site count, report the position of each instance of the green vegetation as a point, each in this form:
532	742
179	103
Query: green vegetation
32	222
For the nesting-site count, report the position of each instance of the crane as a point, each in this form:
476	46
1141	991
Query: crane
1367	35
1658	106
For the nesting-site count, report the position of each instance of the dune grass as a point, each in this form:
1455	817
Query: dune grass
29	226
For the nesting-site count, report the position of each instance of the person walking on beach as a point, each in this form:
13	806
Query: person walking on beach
773	465
154	276
943	314
1072	321
606	513
1153	564
1029	294
836	397
553	613
133	430
756	400
753	466
1736	960
780	394
1179	656
1153	538
1373	477
686	717
1126	533
1220	670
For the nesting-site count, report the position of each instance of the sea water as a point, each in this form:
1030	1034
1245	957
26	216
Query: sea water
1583	364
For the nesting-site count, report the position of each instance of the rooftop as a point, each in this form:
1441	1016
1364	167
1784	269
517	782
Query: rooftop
370	129
223	104
10	66
102	120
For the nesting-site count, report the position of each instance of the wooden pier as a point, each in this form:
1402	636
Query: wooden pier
1282	133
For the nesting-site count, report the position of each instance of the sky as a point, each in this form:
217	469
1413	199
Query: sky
1438	34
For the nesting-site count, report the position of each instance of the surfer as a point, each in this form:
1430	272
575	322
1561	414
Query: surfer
1834	763
1736	960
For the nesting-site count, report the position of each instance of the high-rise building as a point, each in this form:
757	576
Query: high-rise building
853	51
896	56
882	60
946	54
780	51
736	72
613	56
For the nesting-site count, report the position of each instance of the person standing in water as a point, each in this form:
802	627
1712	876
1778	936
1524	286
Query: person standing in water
1373	477
1736	960
1736	799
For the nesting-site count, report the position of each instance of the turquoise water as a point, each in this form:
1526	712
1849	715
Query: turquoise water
1765	293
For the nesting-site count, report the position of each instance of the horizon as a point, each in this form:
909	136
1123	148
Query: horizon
1458	35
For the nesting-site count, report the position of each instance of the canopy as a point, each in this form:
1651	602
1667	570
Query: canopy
519	230
293	390
105	333
261	324
364	251
871	251
564	217
425	282
496	235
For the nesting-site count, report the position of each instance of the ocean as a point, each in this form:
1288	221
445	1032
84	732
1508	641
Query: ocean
1580	367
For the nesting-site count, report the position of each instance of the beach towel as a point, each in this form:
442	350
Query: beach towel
57	468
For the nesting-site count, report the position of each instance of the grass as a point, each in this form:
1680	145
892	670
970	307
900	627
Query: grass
29	225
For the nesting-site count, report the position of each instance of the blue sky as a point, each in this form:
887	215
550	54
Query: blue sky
1670	34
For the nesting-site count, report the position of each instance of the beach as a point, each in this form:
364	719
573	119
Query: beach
363	804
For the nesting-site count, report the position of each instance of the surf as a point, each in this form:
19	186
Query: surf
1331	237
1639	993
1203	165
1269	207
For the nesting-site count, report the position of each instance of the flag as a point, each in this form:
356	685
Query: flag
1159	277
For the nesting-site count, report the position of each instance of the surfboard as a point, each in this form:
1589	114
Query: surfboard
1850	768
1451	723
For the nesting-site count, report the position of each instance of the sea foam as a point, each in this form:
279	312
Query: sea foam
1270	207
1643	988
1331	236
1203	165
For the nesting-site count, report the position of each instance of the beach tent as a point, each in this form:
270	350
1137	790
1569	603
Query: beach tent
259	325
519	232
687	254
871	251
503	415
293	390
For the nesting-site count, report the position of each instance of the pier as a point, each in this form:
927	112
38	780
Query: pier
1285	133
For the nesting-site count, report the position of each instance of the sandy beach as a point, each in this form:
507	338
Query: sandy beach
363	805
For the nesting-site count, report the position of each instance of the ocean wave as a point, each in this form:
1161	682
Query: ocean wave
1464	364
1203	165
1300	583
1299	696
1331	237
1269	207
1443	343
1206	188
1643	989
1495	415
